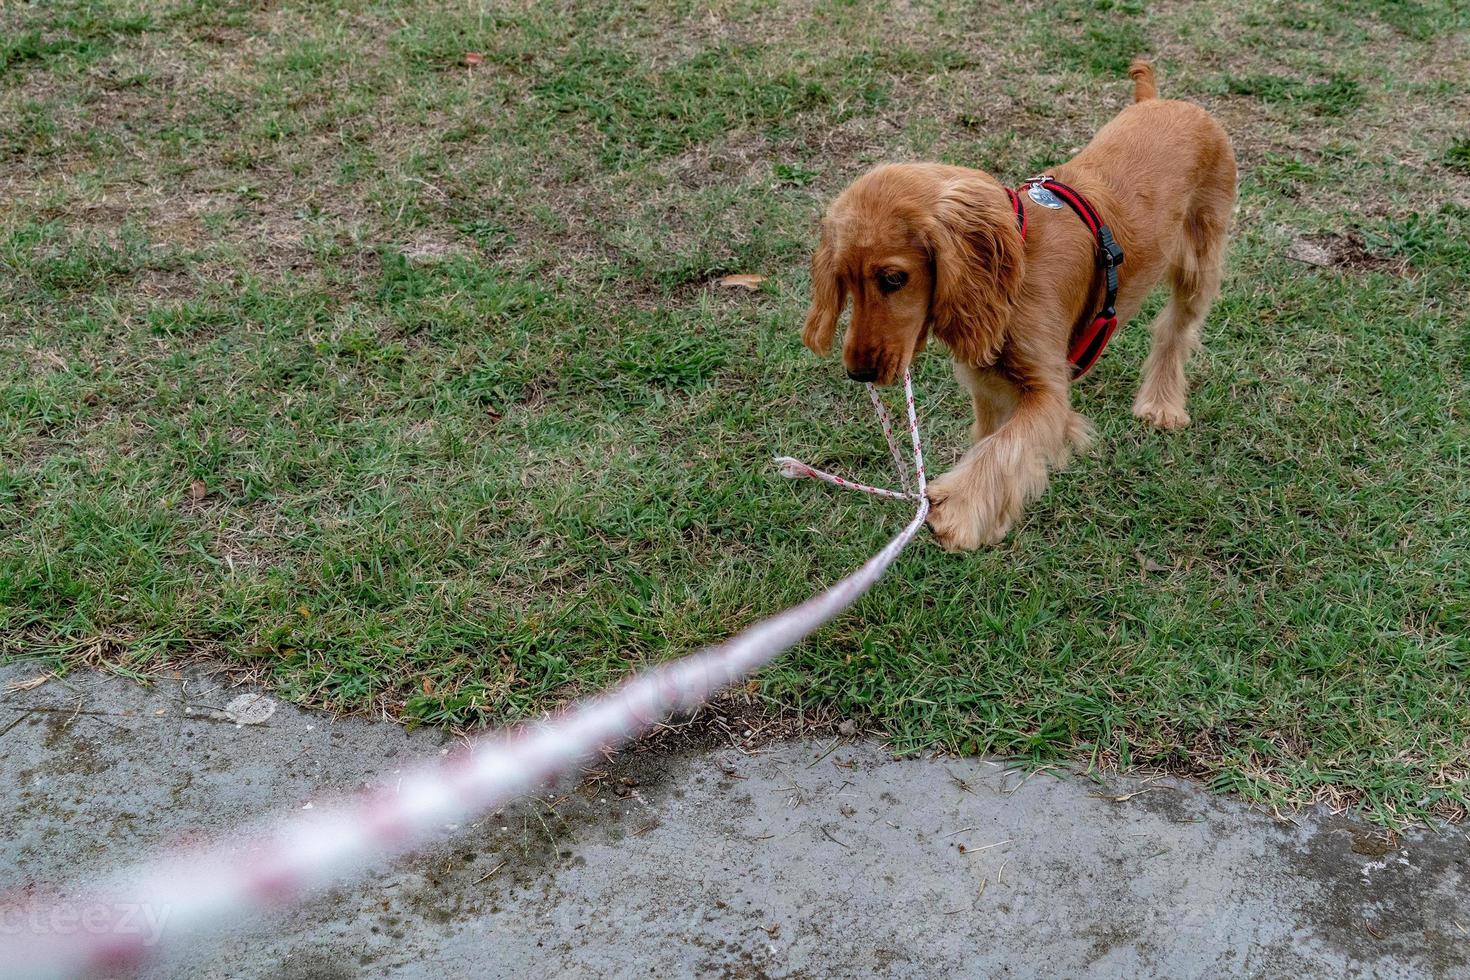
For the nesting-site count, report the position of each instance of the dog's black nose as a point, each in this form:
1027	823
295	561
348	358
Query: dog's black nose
865	374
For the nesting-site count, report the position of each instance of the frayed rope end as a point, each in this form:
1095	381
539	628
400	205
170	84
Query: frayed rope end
792	469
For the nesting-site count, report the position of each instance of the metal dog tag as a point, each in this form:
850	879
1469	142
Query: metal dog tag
1044	197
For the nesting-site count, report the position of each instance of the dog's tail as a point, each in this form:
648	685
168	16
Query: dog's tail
1144	86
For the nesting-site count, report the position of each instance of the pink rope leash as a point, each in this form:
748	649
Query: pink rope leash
795	469
110	927
883	420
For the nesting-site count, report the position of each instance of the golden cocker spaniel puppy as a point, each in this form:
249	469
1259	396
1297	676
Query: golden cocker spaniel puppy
925	247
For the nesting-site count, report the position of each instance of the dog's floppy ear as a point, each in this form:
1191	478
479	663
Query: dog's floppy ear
979	262
828	297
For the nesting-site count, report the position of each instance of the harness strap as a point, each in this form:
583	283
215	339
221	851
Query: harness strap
1089	344
1020	211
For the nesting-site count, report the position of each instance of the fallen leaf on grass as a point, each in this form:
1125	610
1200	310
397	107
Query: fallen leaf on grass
1310	253
1149	565
743	280
427	684
197	490
473	58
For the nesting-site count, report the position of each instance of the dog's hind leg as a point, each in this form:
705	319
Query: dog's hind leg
1194	283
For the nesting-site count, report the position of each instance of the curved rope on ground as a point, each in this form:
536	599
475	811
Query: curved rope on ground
110	928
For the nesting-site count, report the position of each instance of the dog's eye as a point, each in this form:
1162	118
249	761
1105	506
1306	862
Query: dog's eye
892	280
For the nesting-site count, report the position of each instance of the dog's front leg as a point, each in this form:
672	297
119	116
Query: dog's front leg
992	395
976	503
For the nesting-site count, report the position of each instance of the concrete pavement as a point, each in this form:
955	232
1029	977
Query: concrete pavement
798	859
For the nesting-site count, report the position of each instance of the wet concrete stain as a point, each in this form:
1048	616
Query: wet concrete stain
795	860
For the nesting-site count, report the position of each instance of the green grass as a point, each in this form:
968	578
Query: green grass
402	384
1102	36
1458	155
1334	97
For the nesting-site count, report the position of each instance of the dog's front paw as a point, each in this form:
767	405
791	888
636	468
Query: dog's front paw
1161	415
961	521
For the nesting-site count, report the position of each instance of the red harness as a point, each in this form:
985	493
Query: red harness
1088	345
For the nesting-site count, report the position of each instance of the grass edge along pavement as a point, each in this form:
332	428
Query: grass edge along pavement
398	384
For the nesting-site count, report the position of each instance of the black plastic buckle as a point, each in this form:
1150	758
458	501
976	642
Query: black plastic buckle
1112	251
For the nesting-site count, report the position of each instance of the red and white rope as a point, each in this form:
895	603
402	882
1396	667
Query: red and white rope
898	461
795	469
100	929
